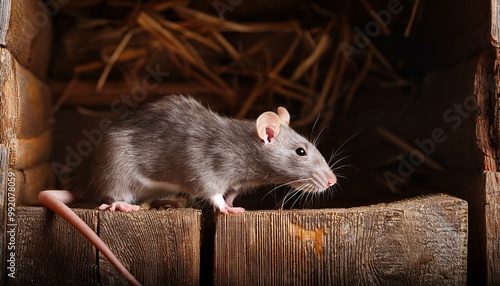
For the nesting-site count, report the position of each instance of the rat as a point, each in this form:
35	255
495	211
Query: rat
176	145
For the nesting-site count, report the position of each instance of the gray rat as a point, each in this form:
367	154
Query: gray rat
177	145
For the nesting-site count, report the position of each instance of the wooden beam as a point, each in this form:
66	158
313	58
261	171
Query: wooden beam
422	240
34	104
158	247
492	227
28	34
31	181
25	103
50	251
26	153
117	93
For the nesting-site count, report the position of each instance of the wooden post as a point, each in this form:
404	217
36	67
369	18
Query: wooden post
26	127
158	247
492	211
26	31
422	240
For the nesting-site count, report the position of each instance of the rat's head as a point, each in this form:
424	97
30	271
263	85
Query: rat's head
294	160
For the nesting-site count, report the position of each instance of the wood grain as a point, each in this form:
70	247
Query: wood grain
32	181
158	247
495	23
26	101
26	153
492	211
49	251
25	119
5	6
35	102
29	35
422	240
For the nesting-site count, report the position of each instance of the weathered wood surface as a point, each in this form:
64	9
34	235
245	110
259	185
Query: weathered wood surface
31	181
26	101
158	247
26	153
492	215
5	6
421	240
49	251
27	33
495	23
26	121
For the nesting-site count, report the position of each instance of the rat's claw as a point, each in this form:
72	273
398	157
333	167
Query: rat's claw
120	206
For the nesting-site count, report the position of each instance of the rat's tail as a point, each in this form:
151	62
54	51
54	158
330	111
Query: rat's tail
48	199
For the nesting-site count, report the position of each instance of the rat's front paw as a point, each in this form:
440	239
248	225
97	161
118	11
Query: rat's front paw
119	206
227	210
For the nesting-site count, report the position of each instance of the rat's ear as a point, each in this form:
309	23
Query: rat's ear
268	126
284	115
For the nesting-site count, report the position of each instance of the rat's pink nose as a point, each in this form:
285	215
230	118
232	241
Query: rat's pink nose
331	181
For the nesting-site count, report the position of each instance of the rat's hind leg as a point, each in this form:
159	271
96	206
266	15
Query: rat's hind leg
230	196
218	202
119	200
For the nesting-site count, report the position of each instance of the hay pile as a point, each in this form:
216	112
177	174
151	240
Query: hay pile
310	64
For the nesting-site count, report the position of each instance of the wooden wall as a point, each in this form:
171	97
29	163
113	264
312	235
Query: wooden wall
25	102
25	110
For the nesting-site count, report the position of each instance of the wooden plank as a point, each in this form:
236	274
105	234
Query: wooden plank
4	170
29	34
32	181
4	20
26	101
495	23
26	153
49	251
119	94
492	215
422	240
35	102
158	247
25	117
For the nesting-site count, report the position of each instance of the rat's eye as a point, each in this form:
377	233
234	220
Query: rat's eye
301	152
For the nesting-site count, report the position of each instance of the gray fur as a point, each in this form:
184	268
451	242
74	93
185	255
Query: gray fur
177	145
